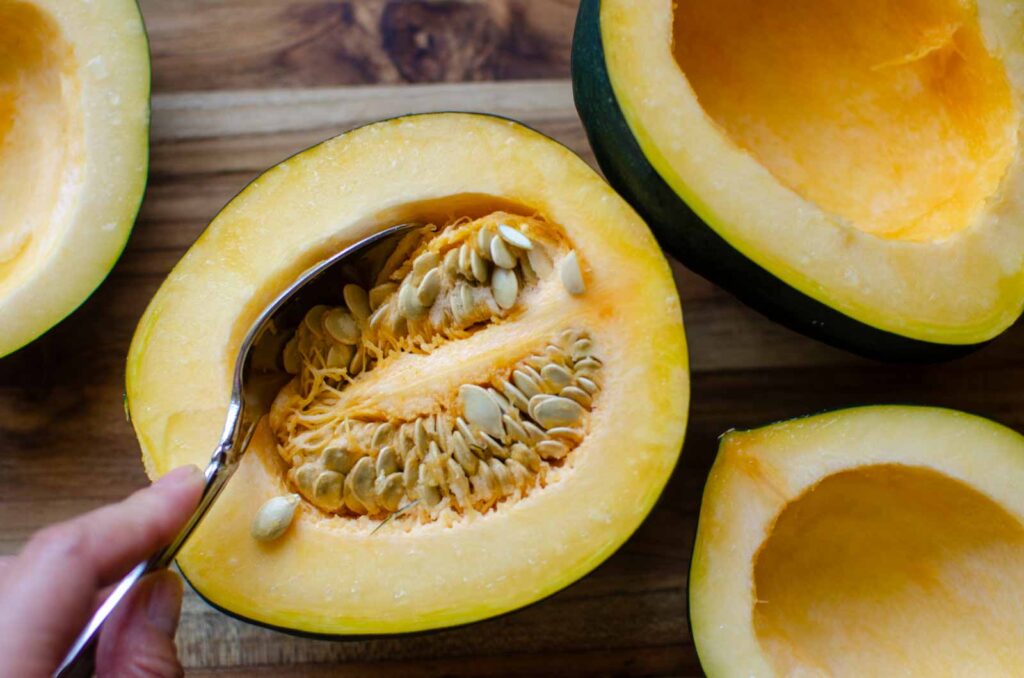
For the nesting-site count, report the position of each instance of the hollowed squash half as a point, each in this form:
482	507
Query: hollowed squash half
74	121
361	557
875	541
850	169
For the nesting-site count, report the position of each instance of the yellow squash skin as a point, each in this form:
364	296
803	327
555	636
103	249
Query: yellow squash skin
74	143
325	576
869	541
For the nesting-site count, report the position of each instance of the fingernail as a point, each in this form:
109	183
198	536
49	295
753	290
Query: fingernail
188	473
164	605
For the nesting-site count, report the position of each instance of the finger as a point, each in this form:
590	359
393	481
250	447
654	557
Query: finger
48	591
138	640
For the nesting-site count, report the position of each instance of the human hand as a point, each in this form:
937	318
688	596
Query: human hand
49	590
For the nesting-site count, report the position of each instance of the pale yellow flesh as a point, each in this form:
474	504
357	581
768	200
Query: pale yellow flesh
868	157
872	541
330	575
74	110
896	119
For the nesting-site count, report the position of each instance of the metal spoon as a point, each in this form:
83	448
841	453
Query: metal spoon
251	395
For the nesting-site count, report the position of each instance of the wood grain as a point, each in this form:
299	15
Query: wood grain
232	44
66	447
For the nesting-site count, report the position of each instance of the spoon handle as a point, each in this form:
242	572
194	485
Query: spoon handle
80	660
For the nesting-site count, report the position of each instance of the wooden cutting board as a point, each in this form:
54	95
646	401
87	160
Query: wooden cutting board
242	84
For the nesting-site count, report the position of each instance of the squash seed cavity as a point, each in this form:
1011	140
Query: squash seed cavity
495	440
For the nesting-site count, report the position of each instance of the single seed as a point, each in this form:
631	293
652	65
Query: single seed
577	394
515	429
572	435
504	478
485	486
588	365
582	349
481	410
341	326
466	432
551	449
503	404
390	491
514	237
360	483
556	376
526	384
381	435
291	358
358	363
380	315
586	384
540	262
558	411
314	320
465	260
458	482
466	296
504	287
460	450
478	266
327	490
537	400
493	447
387	461
408	304
525	456
429	287
430	495
500	254
519	473
411	473
432	465
557	355
529	275
274	517
357	301
515	396
536	432
420	436
379	294
339	356
483	240
572	276
451	263
340	459
305	476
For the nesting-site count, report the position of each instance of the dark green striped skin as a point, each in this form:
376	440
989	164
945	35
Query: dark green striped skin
696	244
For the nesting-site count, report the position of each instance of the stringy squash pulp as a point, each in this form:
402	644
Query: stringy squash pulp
874	541
74	116
410	518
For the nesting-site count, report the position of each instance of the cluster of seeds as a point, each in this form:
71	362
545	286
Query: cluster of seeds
429	291
499	441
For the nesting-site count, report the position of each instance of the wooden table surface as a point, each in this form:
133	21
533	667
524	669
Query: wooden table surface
240	85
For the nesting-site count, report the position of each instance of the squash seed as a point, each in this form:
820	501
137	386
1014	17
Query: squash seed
483	240
514	237
478	265
551	449
424	263
390	491
274	518
540	262
291	358
526	384
587	385
314	319
387	461
360	483
340	459
558	411
429	287
577	394
556	376
572	276
500	254
408	304
481	410
357	302
327	490
341	326
504	286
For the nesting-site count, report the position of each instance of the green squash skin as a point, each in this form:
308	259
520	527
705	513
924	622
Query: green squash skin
696	244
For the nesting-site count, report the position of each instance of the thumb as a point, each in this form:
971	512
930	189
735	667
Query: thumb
138	640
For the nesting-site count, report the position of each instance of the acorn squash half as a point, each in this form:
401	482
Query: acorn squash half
851	169
353	562
74	121
875	541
